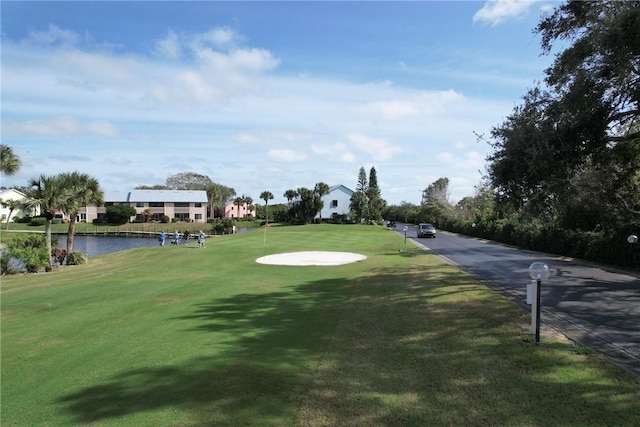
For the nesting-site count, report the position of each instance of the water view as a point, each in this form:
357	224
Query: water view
100	245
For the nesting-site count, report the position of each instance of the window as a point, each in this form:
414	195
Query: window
198	216
139	204
334	203
156	204
181	204
197	205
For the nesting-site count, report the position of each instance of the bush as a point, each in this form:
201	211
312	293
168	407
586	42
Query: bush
222	226
37	221
24	252
58	255
6	267
164	219
119	214
77	258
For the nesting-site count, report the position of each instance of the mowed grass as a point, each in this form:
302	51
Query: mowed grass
181	336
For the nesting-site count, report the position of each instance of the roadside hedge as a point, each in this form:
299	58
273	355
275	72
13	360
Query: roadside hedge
603	246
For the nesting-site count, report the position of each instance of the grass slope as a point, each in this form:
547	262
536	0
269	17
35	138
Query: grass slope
187	336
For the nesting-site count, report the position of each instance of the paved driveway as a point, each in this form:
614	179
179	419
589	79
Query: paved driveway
596	306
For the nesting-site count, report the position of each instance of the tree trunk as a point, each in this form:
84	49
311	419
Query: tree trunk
47	237
71	233
6	227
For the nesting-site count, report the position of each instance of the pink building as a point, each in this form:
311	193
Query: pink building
231	210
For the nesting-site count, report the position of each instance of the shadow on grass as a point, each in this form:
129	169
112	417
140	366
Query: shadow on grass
392	348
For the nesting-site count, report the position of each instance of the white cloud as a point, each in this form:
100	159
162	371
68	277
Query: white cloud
412	105
468	161
286	156
169	46
271	137
59	127
220	37
377	148
334	152
226	105
118	160
54	34
207	78
495	12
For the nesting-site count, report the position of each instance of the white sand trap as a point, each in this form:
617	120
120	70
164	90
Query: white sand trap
311	258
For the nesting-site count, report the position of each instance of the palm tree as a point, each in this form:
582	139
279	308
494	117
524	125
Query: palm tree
249	203
84	191
320	190
238	201
12	205
266	196
50	194
290	195
9	162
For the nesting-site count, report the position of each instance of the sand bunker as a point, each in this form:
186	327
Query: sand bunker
311	258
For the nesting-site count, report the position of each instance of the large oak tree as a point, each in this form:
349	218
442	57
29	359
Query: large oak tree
571	151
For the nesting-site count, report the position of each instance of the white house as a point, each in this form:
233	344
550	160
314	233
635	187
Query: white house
336	203
5	212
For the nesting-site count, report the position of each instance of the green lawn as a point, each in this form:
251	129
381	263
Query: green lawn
189	337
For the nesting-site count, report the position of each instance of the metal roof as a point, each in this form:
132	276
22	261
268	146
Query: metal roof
186	196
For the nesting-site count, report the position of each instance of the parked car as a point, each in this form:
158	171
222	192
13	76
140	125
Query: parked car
426	230
391	223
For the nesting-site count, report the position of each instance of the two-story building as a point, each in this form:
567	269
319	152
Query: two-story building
336	203
231	210
186	205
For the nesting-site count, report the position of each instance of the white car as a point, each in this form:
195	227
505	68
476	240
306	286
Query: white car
426	230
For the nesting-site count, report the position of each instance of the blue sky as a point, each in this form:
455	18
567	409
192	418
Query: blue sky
264	95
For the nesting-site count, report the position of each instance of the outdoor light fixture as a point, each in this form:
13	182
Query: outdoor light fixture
538	271
632	239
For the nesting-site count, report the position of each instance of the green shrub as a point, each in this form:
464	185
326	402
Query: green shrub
222	225
164	219
119	214
37	221
77	258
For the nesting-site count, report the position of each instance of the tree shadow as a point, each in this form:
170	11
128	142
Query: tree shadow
390	348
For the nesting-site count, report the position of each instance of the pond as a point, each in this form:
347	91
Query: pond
100	245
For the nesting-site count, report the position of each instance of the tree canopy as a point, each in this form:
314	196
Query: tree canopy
570	153
188	181
9	162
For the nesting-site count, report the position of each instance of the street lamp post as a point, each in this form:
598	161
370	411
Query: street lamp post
405	234
632	239
538	271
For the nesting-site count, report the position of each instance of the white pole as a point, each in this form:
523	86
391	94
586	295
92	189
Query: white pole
534	306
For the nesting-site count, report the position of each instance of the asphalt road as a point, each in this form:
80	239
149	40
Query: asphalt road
596	306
